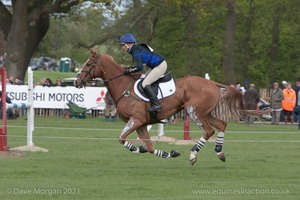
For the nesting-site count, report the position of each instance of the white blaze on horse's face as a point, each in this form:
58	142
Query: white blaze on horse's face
78	81
78	73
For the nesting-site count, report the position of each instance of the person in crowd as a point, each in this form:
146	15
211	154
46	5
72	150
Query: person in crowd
18	81
298	107
143	54
288	103
238	86
110	108
58	82
11	113
284	85
276	103
42	81
297	89
10	80
48	82
251	99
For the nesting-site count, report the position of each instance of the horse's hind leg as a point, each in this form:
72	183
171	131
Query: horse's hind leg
208	131
144	135
221	126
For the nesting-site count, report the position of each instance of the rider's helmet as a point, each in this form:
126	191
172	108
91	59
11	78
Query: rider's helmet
127	38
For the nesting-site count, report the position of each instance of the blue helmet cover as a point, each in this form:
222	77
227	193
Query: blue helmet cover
127	38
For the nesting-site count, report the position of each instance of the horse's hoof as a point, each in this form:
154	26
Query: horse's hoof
193	161
221	156
143	149
174	154
193	157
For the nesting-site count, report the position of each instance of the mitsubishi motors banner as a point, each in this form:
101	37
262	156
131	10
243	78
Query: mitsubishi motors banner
56	97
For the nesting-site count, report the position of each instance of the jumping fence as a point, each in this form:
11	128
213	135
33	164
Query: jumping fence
28	105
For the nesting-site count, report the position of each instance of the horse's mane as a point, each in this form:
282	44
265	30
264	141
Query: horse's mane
111	59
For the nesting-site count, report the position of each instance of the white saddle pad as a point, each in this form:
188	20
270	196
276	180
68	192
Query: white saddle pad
165	89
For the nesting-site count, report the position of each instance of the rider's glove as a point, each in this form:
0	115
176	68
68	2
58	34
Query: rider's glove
129	70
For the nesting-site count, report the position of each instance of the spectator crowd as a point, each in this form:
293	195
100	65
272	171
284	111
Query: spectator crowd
284	102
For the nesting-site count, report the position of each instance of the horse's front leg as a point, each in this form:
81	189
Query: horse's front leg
144	135
130	127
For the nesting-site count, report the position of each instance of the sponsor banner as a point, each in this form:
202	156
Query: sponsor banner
57	97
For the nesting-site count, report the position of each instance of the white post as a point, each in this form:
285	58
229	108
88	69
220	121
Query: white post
207	76
161	130
30	110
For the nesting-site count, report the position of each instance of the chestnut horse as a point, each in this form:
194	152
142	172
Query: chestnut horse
198	96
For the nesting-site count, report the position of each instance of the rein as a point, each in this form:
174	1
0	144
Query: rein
126	93
94	67
110	79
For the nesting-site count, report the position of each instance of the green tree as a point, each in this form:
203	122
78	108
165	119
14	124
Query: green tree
231	40
26	24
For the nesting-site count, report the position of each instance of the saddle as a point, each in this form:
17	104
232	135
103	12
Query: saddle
163	87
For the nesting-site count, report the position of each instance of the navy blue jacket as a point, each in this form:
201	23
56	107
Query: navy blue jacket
297	89
141	54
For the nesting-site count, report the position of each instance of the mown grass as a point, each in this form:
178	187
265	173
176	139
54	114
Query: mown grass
262	163
53	75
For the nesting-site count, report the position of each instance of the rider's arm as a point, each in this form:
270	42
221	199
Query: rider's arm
136	53
139	63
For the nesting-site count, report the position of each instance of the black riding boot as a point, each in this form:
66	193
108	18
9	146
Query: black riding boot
155	105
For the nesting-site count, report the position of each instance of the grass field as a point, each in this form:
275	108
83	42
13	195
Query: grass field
86	161
53	75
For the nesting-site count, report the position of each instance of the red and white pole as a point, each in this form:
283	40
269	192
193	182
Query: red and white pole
3	130
186	128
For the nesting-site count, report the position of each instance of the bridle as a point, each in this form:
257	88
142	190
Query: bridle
93	66
88	72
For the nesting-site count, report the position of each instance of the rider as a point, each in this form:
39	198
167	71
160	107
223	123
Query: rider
143	54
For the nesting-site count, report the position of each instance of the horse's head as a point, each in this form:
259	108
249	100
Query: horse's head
89	70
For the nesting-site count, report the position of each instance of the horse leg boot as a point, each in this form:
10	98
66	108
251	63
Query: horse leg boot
144	135
155	105
198	146
129	128
219	145
221	126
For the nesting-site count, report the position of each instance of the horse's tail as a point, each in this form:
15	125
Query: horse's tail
234	99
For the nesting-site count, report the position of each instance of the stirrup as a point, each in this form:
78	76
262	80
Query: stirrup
154	108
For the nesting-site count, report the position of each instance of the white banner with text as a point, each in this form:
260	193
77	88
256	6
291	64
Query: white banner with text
58	97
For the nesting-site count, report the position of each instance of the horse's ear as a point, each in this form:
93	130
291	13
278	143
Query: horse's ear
92	51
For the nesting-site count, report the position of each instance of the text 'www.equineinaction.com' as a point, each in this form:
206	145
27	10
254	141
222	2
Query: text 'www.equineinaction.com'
242	191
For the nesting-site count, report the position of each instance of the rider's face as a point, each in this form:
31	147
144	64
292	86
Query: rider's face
125	47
